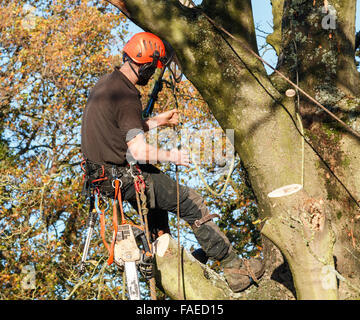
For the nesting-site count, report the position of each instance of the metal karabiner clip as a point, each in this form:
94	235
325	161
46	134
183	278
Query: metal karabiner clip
98	210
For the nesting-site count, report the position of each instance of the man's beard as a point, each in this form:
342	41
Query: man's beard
143	81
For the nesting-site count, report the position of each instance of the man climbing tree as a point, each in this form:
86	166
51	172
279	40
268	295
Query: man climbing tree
113	137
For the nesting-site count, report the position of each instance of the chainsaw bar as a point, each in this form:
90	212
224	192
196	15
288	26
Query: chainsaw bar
127	254
132	280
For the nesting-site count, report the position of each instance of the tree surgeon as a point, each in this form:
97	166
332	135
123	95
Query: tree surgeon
112	134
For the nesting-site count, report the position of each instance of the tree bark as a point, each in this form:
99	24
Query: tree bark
196	280
199	282
311	228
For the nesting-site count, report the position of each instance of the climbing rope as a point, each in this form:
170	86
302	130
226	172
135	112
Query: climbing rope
300	121
207	186
172	86
143	210
180	295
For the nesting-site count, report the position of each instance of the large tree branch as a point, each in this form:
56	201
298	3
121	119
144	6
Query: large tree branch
234	16
199	282
274	39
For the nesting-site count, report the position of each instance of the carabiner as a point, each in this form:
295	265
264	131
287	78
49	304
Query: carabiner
98	210
107	203
131	171
120	183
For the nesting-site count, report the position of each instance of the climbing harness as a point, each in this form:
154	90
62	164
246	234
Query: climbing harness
123	249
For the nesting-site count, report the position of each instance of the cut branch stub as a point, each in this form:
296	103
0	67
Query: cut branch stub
285	191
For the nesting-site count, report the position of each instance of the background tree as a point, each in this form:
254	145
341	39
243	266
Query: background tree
316	229
52	53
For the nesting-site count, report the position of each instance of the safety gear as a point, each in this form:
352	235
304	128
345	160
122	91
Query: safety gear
142	46
148	51
145	71
211	239
241	273
200	255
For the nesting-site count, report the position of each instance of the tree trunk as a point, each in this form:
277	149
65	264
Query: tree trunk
315	229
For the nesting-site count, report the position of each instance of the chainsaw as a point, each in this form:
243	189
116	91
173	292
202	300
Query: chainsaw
129	257
127	254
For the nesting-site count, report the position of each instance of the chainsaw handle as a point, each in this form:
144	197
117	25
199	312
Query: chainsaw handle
139	233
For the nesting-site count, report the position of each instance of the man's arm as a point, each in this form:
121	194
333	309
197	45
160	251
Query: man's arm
145	153
150	123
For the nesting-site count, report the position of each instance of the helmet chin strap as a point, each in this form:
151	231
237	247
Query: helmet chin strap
132	68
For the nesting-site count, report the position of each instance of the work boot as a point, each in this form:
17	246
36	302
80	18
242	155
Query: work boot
241	273
200	255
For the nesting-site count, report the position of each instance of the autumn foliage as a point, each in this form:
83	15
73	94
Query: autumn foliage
52	53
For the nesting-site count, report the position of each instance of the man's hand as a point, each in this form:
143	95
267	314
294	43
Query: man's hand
169	118
180	157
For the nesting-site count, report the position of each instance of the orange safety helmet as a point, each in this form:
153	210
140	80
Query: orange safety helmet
141	47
